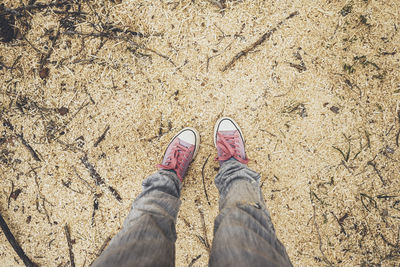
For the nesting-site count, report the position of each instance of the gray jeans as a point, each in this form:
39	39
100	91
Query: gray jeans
243	232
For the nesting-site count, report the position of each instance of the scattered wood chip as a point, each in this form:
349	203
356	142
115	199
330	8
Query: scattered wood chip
299	67
44	73
63	111
335	109
14	195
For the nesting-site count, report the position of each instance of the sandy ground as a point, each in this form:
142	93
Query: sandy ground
317	98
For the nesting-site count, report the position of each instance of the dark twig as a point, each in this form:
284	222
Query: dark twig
8	124
45	210
69	241
389	53
203	241
340	222
68	185
14	243
373	164
313	195
31	45
194	260
101	138
398	133
9	197
112	35
261	40
95	207
346	156
114	193
262	183
116	29
93	173
40	196
387	242
204	228
317	228
104	245
298	67
12	66
385	197
320	239
84	181
368	139
31	150
204	185
71	13
96	176
45	57
371	201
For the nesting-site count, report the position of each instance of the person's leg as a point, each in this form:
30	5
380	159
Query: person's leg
148	234
243	232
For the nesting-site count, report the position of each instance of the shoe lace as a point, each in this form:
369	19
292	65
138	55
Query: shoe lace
230	147
176	159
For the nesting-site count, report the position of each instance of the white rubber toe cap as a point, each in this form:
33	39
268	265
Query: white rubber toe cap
226	125
188	136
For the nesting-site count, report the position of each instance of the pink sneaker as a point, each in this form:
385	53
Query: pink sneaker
180	152
228	140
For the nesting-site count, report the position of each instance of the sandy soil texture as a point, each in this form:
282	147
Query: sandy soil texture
92	91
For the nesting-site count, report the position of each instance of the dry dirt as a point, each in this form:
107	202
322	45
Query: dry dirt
92	91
